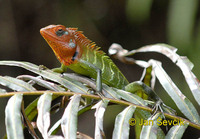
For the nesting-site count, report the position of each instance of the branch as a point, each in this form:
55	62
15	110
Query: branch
121	102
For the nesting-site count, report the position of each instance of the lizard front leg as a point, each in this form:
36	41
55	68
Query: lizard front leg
98	77
61	69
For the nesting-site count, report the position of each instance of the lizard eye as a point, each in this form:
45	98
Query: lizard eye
60	32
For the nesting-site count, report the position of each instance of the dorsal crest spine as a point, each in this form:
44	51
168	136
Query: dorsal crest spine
84	41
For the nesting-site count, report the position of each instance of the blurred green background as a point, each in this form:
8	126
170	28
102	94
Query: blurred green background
131	23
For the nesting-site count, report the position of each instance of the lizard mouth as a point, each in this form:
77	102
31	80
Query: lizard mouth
47	34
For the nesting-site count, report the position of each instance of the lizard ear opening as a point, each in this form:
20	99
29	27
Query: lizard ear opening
72	44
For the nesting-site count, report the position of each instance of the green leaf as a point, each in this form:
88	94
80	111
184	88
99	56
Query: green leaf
106	90
54	128
111	93
176	132
31	109
140	114
182	62
69	119
16	84
100	110
130	97
41	82
148	77
164	49
49	74
182	102
150	130
144	115
191	79
14	128
27	122
43	119
122	126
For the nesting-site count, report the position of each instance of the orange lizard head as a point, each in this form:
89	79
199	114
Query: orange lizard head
62	41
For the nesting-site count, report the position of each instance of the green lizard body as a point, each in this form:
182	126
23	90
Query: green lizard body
78	53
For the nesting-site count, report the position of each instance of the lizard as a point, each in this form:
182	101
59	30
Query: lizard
75	51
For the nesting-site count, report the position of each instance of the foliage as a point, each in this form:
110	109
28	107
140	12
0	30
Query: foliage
81	89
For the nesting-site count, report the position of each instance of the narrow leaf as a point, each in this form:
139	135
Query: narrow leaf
122	126
183	103
41	82
182	62
28	124
148	77
110	91
54	127
130	97
31	109
100	109
106	90
150	129
49	74
190	78
164	49
69	119
14	128
140	114
176	132
144	115
16	84
43	119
